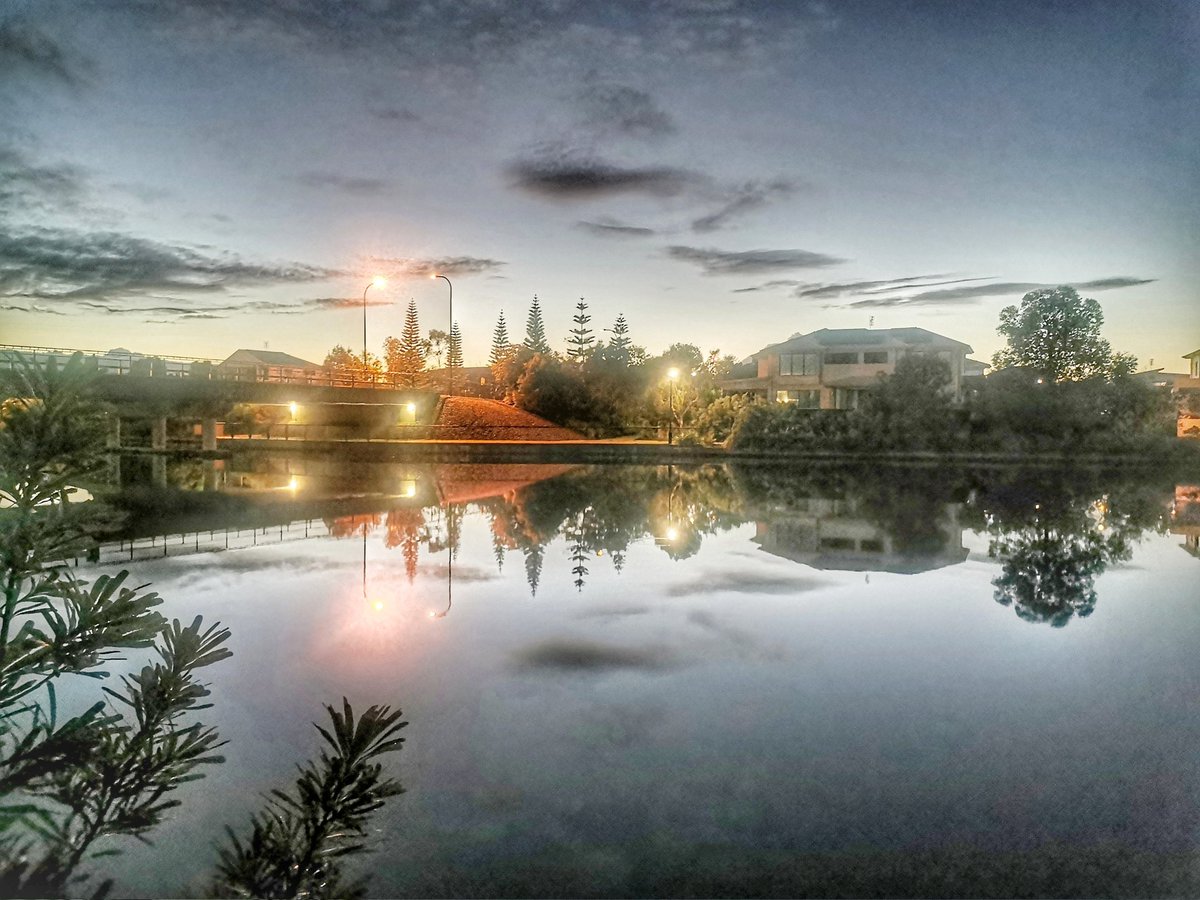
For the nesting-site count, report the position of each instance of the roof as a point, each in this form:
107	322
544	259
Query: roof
1190	355
864	337
268	358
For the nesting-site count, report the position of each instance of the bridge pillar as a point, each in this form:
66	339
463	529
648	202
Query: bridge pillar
158	433
113	439
208	434
212	474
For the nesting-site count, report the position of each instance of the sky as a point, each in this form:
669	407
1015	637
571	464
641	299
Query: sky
195	176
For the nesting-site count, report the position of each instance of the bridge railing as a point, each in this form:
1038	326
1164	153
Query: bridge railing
164	366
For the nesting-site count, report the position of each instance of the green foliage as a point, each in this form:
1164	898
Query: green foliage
501	348
69	787
454	354
535	329
1056	333
912	409
717	421
297	845
343	361
581	340
406	357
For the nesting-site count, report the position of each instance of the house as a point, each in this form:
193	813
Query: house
1193	359
829	369
270	365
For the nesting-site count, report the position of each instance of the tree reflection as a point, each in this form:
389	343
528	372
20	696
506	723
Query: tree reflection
1055	536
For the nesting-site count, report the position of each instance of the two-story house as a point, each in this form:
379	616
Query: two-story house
828	369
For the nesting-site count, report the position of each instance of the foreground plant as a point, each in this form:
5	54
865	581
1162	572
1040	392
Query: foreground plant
297	843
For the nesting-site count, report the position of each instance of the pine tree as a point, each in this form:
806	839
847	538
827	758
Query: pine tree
454	357
620	335
406	356
501	350
533	568
535	329
581	340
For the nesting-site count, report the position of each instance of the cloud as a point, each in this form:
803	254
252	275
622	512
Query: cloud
744	583
742	199
393	114
567	655
27	187
27	52
398	267
726	262
569	177
32	308
61	264
769	285
976	292
617	108
347	184
608	227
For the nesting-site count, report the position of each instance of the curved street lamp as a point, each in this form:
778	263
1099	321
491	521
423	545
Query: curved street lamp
378	281
450	389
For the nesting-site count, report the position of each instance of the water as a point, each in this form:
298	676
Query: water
721	681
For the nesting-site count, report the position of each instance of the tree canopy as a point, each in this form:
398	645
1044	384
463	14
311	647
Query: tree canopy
1057	333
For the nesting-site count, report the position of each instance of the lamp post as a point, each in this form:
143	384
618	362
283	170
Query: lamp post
378	281
450	389
672	376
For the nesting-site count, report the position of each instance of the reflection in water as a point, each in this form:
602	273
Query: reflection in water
1052	533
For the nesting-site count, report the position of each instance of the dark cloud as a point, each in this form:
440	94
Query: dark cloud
347	184
32	308
393	114
769	285
144	192
568	177
617	108
744	198
27	187
841	288
445	265
607	227
728	262
745	583
976	292
567	655
1108	284
60	264
26	52
469	34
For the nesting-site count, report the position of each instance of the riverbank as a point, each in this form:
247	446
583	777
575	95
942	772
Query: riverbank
1185	455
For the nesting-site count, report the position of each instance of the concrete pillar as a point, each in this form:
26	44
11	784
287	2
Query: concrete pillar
212	474
158	433
113	439
158	470
208	434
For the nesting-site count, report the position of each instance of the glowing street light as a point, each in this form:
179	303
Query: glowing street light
450	389
378	281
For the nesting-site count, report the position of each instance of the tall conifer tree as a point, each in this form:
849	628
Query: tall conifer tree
581	340
500	346
454	357
535	329
620	335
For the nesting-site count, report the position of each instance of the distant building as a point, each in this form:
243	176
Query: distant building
829	369
1194	359
269	365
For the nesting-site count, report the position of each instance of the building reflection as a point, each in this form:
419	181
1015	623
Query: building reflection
1185	516
837	534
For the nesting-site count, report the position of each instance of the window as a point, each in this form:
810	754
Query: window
805	399
799	364
875	357
845	398
837	543
841	359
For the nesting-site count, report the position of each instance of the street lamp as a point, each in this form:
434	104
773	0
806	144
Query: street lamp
450	389
378	281
672	377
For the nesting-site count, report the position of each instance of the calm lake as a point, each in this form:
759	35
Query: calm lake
715	680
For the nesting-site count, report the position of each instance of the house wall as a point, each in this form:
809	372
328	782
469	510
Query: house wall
768	372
